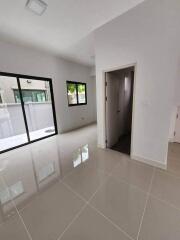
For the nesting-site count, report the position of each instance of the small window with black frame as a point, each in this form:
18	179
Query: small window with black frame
76	93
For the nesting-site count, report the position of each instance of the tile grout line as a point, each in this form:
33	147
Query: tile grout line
86	204
110	221
151	194
166	172
107	173
20	217
81	210
147	198
78	195
164	202
62	181
102	171
72	221
121	180
74	192
10	201
118	179
100	213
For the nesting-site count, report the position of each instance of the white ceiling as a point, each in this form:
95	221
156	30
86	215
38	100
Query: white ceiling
65	29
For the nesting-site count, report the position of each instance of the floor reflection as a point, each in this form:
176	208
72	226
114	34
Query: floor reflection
81	155
35	168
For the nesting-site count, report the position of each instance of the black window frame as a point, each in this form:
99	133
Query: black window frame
77	96
22	76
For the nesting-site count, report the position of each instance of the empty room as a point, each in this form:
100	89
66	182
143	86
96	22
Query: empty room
89	120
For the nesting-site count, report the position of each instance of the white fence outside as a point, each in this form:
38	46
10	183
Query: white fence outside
39	116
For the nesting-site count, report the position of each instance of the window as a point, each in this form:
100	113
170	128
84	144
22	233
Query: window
27	111
30	95
76	93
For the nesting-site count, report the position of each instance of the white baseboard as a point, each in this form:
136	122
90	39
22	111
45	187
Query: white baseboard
150	162
171	140
101	146
143	160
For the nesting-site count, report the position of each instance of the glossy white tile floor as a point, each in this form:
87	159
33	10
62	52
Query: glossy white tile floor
64	188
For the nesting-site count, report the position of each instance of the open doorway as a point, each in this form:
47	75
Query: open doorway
119	107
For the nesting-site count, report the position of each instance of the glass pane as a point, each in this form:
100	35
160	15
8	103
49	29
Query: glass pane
72	96
31	95
12	126
38	107
27	96
82	93
17	96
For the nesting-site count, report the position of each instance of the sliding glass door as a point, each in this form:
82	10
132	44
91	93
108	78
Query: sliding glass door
12	126
38	108
27	111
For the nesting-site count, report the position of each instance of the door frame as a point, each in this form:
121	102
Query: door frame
176	117
133	104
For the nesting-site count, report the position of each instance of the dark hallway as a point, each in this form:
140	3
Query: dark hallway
119	92
124	144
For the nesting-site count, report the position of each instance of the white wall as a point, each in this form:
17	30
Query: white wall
17	59
148	35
